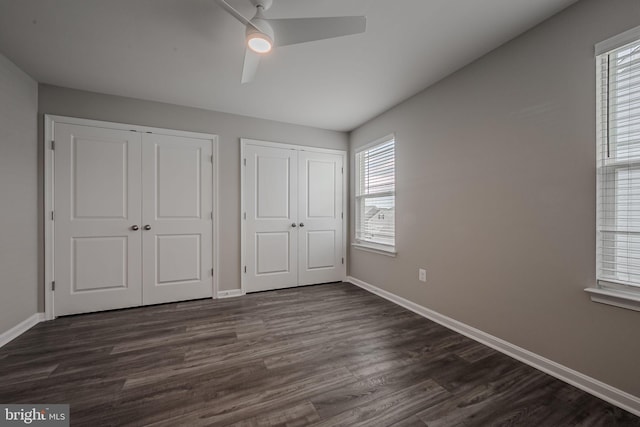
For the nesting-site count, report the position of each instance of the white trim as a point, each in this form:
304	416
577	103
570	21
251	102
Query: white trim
243	237
620	40
21	328
376	249
261	143
616	298
231	293
128	126
615	396
345	201
49	206
216	215
382	140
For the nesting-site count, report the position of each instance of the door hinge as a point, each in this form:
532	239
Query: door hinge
342	170
211	215
245	269
53	286
244	215
342	215
53	215
53	144
212	271
211	158
343	260
245	162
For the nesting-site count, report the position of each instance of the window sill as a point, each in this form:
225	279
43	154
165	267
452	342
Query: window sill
622	299
375	249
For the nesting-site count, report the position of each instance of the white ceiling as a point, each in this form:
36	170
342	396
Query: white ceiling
190	52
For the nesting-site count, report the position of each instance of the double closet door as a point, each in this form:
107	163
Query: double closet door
132	218
293	216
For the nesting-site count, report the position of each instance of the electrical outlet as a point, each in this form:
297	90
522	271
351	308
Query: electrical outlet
422	274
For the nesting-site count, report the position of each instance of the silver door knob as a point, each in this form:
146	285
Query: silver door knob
147	227
135	228
302	224
294	225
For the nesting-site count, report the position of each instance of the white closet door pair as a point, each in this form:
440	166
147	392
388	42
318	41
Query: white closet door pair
293	231
132	220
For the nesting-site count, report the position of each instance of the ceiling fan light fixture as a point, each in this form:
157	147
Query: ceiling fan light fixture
259	43
259	34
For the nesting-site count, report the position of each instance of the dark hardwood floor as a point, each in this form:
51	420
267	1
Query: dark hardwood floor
328	355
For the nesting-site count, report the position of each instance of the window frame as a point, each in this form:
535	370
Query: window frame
364	244
609	291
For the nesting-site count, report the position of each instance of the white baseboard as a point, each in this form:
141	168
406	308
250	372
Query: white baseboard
617	397
20	328
230	294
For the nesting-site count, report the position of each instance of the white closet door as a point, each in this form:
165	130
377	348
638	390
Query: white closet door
177	218
320	214
271	242
97	204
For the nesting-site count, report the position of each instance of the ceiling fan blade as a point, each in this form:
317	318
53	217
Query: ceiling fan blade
302	30
226	6
251	62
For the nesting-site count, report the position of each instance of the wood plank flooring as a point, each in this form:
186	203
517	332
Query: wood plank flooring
327	355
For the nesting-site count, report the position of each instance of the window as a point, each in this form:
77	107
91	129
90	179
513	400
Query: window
618	172
375	196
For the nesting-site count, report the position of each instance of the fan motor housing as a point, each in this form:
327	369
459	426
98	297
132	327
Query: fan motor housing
265	4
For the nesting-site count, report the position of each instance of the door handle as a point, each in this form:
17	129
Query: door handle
302	224
147	227
294	225
135	228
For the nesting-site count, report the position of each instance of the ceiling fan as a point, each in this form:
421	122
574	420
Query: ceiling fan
264	34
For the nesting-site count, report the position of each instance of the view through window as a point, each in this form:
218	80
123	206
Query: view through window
375	195
618	162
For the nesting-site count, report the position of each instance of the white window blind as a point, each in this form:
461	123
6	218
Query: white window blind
375	195
618	165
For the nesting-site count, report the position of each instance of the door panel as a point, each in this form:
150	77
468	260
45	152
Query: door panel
320	217
179	180
177	209
97	187
271	243
321	189
273	176
273	252
99	178
99	263
321	250
178	258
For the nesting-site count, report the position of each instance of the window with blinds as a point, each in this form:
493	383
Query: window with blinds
618	168
375	195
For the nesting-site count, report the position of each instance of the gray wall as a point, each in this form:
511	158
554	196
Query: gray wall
18	192
496	197
230	128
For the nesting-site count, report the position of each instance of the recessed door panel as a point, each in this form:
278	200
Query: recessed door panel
179	181
99	177
177	218
272	253
97	260
273	179
99	263
271	241
178	258
321	188
321	249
